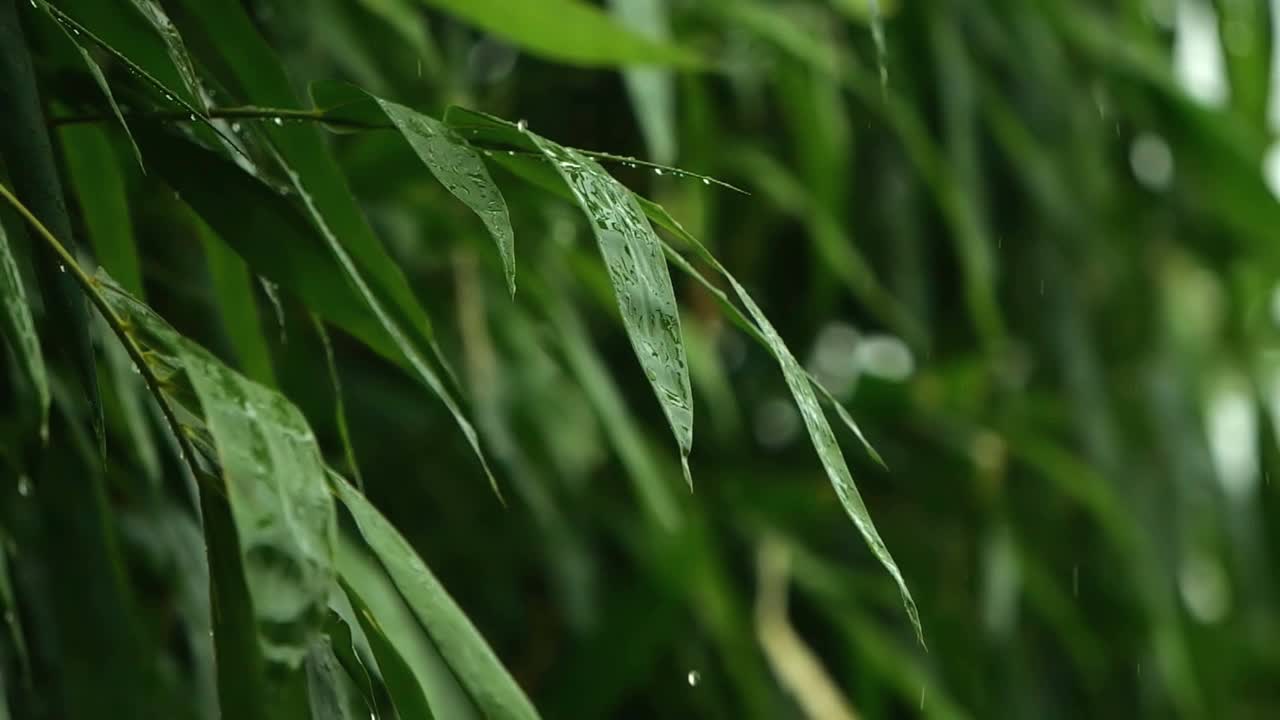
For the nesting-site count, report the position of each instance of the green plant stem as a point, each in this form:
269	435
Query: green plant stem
247	112
90	287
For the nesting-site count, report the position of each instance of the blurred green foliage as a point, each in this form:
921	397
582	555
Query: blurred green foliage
1031	246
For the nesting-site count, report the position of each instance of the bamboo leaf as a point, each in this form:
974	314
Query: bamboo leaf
633	256
233	289
177	49
462	172
568	31
20	329
99	187
98	77
474	664
283	513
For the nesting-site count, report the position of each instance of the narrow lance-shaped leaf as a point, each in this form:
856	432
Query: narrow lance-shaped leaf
462	172
20	330
474	664
638	271
177	49
96	71
283	513
801	385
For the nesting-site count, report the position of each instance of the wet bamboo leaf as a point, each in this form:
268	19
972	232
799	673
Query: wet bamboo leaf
233	290
20	330
419	678
283	513
28	155
633	256
474	664
332	693
314	176
177	49
96	71
462	172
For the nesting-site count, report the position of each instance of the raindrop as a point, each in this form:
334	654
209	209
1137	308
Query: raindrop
33	3
922	699
24	486
62	268
522	125
511	152
135	369
278	122
705	181
657	171
235	127
693	678
191	117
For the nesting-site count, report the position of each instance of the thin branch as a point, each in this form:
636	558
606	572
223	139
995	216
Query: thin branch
90	287
247	112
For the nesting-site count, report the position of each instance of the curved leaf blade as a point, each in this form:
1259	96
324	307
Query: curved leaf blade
641	282
20	329
283	513
476	666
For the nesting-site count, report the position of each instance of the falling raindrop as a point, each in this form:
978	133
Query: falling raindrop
693	678
278	122
522	125
657	171
62	268
24	486
191	117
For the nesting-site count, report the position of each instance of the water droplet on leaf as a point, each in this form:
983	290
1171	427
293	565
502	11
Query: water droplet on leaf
693	678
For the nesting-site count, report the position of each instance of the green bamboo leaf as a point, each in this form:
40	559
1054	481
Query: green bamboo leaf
233	290
283	512
568	31
474	664
99	186
177	49
420	680
799	381
633	256
28	155
96	71
195	114
315	177
20	329
449	157
332	693
462	172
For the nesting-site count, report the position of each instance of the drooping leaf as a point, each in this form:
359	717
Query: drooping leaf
469	657
233	289
96	71
568	31
448	156
419	678
633	256
332	692
28	155
275	485
20	330
100	190
314	176
177	49
462	172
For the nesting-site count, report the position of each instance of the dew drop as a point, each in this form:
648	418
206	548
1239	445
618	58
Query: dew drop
693	678
522	125
24	486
